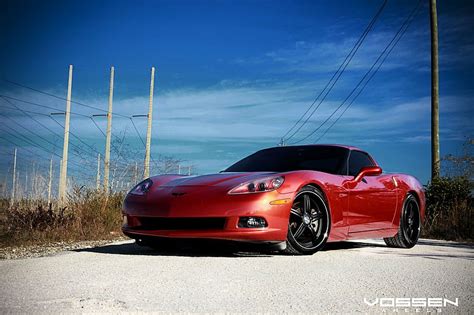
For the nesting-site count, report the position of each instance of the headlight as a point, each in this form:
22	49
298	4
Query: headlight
258	185
142	187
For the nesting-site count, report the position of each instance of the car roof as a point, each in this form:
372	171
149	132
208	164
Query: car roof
328	145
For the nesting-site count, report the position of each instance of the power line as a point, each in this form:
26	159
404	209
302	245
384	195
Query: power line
28	160
94	150
366	82
75	102
47	128
58	123
338	73
60	97
42	138
39	105
117	151
405	23
35	144
23	127
138	133
141	139
27	111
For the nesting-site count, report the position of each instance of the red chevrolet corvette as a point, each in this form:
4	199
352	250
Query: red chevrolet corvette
295	198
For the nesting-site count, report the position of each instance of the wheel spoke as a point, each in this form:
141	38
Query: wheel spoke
299	231
313	232
296	212
307	204
316	216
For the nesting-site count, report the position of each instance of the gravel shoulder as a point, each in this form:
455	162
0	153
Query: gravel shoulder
34	251
123	277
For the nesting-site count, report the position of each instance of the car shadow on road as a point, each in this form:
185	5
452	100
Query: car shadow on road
430	242
350	245
203	249
208	249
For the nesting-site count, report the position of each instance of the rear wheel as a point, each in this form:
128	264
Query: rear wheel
410	225
309	223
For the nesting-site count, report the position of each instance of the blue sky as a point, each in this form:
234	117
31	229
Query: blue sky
233	76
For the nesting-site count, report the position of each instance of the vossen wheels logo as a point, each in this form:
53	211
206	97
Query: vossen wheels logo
430	305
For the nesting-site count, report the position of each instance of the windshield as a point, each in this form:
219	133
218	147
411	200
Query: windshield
328	159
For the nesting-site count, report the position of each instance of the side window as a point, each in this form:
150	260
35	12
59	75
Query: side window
358	160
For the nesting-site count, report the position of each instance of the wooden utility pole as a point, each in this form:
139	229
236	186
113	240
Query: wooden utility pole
109	132
146	172
97	184
14	179
50	181
435	159
63	173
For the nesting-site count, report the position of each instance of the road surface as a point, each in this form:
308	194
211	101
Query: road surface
123	277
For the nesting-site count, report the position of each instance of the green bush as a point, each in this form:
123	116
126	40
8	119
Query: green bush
449	209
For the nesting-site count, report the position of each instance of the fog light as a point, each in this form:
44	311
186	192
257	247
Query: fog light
252	222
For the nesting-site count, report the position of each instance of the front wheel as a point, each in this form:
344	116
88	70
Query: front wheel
309	222
410	225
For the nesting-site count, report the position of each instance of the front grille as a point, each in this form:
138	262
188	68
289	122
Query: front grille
154	223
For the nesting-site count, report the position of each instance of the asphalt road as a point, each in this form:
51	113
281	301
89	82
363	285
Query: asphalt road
123	277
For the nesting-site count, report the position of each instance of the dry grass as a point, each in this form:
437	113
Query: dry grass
87	215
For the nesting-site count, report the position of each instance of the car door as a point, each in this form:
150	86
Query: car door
372	201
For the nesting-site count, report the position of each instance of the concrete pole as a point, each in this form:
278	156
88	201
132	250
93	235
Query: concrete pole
60	168
18	186
50	181
63	174
26	183
97	186
33	180
179	169
14	179
146	172
5	183
135	174
435	159
109	132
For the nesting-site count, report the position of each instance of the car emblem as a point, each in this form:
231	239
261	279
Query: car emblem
178	194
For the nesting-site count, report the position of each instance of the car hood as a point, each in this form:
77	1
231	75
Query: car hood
221	179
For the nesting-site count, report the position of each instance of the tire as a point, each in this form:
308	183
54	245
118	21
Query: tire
309	223
409	227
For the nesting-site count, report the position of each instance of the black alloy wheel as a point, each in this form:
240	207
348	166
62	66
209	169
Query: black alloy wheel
309	222
410	225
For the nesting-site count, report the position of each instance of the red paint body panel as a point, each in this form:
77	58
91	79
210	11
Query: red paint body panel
370	209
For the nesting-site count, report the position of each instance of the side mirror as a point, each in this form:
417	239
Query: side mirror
365	171
368	171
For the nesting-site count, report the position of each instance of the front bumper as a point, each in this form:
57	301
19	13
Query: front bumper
209	204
